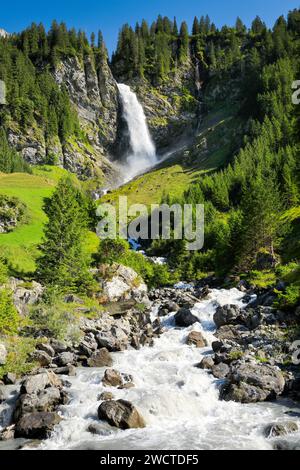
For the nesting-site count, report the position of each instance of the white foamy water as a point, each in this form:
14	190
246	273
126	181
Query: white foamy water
179	402
143	152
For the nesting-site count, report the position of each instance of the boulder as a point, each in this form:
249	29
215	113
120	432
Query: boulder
220	371
121	414
36	383
9	378
42	358
250	383
67	370
46	348
24	296
65	359
234	333
227	315
3	355
217	346
45	401
7	434
58	346
184	318
88	345
197	339
112	378
163	312
281	429
168	307
204	293
113	340
101	358
106	396
37	425
121	283
206	363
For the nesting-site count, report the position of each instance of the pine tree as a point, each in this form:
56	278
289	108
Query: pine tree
63	262
260	205
175	27
196	27
183	43
239	26
258	26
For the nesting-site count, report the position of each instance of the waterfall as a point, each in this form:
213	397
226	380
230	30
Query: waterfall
142	149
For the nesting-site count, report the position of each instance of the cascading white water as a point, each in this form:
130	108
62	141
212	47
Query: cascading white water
143	152
179	402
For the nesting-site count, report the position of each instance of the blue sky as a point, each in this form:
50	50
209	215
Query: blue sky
109	15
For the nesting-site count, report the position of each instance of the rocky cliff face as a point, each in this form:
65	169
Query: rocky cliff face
94	95
172	108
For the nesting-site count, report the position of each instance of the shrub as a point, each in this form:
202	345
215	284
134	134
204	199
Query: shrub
10	320
19	350
56	319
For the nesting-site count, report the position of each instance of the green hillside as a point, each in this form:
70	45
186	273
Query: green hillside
20	245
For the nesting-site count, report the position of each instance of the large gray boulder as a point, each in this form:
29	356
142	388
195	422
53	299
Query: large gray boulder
45	401
121	283
184	318
227	315
121	414
251	383
114	340
37	425
234	315
65	359
37	383
24	296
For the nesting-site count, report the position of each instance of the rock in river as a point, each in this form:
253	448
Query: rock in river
101	358
197	339
121	414
251	383
185	318
37	425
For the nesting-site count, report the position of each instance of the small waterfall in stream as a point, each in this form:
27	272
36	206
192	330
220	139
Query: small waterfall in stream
142	149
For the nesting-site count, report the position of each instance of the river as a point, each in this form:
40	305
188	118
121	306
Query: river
179	402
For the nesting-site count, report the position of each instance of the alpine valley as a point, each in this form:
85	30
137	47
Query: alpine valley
117	344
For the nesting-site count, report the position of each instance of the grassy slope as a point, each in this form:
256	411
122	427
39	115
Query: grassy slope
20	246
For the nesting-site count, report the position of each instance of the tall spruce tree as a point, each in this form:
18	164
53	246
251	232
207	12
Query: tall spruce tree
63	262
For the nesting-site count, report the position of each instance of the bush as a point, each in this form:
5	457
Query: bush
56	319
19	350
10	320
289	299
